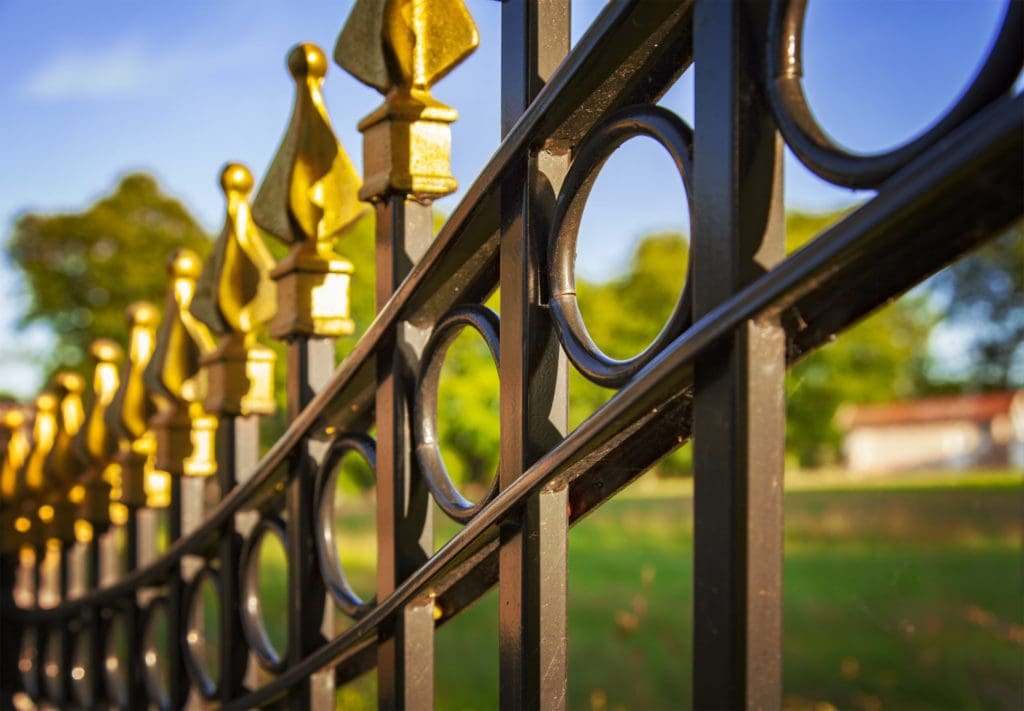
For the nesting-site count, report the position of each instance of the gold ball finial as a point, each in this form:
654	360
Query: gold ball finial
236	178
184	264
106	350
307	60
69	382
46	402
142	313
12	419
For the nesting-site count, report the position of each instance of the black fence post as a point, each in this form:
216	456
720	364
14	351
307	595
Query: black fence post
405	532
10	638
739	407
310	364
533	562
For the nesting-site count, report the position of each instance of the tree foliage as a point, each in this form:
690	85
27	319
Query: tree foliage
82	269
982	298
878	360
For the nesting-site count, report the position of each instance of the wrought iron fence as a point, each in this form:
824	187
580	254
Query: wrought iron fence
175	422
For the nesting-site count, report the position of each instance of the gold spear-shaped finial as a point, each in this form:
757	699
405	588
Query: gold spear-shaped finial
129	413
235	297
184	432
13	424
44	432
308	197
402	48
15	430
31	479
61	465
96	443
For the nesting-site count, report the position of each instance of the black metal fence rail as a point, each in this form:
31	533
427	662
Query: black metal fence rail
716	372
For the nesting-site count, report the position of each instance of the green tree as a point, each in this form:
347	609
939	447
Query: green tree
879	359
624	314
982	299
82	269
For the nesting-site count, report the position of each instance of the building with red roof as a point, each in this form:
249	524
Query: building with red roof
958	431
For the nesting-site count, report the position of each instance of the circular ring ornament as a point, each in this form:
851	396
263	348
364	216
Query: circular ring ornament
676	138
326	547
114	676
194	642
154	655
827	159
428	449
253	626
82	685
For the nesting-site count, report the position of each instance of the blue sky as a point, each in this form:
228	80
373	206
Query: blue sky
92	90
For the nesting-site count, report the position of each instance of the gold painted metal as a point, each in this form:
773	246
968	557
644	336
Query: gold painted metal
96	442
13	422
174	377
402	48
235	297
129	414
29	479
83	531
12	523
308	198
203	436
44	433
61	465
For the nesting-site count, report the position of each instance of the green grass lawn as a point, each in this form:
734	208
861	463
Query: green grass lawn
896	596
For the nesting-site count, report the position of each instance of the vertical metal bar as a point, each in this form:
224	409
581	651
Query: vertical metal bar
533	564
178	682
238	441
136	694
149	521
40	629
193	495
95	621
310	364
405	534
65	627
740	399
10	639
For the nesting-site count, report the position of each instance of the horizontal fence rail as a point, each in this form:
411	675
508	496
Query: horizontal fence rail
179	418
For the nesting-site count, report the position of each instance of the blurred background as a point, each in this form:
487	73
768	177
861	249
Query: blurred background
905	437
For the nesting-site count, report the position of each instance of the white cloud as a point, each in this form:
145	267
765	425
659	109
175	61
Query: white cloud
124	68
114	70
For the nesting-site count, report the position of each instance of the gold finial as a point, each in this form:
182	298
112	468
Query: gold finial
405	44
234	294
30	479
129	413
402	48
309	194
235	297
308	197
61	465
44	432
174	372
17	449
15	454
96	442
